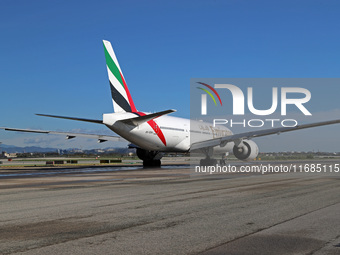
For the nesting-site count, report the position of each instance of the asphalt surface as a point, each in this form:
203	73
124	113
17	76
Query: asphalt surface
167	211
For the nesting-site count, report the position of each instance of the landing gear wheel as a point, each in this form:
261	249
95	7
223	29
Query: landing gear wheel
208	162
151	163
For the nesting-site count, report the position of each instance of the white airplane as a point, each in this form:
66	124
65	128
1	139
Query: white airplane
152	134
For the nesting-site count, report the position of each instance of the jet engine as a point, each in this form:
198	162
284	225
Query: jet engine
247	150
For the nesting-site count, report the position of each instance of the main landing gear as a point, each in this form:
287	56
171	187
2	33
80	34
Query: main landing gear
150	158
208	162
151	163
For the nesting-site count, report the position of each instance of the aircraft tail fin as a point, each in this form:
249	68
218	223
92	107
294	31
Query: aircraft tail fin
121	97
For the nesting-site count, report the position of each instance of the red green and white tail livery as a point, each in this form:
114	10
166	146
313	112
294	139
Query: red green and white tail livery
121	97
154	133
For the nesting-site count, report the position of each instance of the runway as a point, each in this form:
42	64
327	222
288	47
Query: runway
168	211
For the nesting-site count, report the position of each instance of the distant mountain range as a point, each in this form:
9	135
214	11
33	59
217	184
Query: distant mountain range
13	149
30	149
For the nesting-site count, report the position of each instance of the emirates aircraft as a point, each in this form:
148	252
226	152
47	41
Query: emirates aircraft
152	134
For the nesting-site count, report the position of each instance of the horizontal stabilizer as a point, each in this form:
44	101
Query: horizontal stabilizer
141	119
72	118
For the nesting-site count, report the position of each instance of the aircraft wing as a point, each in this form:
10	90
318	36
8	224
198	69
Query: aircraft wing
69	135
248	135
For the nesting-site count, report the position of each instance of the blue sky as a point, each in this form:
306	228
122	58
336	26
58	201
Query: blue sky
52	59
